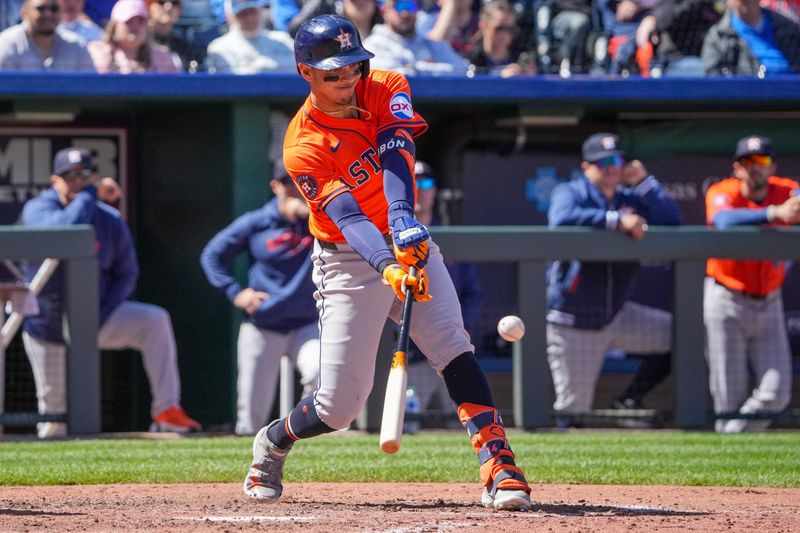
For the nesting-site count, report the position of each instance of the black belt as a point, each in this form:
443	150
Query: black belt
742	293
327	245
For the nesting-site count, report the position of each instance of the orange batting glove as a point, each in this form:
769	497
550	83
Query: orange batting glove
398	279
413	256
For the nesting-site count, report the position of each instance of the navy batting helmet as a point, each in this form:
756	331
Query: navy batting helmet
329	42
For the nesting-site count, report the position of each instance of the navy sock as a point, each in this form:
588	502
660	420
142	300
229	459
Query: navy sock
302	423
466	381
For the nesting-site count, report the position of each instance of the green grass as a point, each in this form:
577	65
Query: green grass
613	457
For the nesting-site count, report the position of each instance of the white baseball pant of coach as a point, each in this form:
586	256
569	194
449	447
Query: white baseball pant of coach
576	355
353	305
132	325
746	337
259	361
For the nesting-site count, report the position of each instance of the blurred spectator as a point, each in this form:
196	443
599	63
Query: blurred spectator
278	301
456	22
10	13
37	44
588	307
562	31
248	48
75	20
749	362
430	386
397	46
163	15
363	14
751	41
676	29
127	48
124	324
100	11
788	8
619	20
494	54
282	12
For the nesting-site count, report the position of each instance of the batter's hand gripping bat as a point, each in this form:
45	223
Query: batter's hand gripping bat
394	403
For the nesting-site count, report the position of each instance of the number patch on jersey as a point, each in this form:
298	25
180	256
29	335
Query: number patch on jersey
308	185
400	106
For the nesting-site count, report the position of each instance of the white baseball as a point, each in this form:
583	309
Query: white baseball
511	328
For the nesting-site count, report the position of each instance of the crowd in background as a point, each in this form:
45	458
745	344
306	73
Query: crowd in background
505	38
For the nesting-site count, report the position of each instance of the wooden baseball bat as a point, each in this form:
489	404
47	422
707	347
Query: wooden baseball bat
394	403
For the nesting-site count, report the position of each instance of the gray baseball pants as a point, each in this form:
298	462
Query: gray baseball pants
353	304
132	325
576	355
259	360
746	339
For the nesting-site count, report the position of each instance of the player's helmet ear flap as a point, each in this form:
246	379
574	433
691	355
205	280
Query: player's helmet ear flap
328	42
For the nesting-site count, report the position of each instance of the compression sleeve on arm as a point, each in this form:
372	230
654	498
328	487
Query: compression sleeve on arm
738	217
397	161
359	231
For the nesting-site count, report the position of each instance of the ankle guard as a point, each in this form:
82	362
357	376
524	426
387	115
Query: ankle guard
497	467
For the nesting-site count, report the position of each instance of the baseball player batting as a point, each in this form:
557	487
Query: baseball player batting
743	307
350	151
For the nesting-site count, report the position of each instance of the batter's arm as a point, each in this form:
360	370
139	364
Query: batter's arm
360	232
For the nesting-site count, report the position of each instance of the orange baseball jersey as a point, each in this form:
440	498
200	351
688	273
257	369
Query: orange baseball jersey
327	156
755	278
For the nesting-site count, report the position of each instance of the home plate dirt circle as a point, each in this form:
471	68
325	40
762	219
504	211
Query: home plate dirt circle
395	507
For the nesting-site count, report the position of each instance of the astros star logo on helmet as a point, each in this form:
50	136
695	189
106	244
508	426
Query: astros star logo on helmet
345	40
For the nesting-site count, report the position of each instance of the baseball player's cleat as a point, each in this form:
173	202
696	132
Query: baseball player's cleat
176	420
508	500
263	481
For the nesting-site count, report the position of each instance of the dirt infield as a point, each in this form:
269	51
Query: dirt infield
379	507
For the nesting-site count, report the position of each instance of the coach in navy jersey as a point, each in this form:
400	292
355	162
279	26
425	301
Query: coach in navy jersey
588	307
73	198
280	312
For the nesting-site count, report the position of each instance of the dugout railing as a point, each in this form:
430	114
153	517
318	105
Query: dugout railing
74	246
530	247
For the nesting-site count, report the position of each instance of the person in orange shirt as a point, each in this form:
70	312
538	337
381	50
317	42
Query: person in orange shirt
350	151
742	307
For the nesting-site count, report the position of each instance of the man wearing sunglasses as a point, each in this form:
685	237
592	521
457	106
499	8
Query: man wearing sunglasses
350	151
588	307
37	44
124	324
743	307
399	47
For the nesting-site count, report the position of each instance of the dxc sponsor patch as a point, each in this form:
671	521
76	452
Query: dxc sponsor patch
308	185
400	106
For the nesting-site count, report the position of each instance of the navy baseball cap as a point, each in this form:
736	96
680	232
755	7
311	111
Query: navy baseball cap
753	145
601	145
72	159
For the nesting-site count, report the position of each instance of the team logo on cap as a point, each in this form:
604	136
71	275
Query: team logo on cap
754	143
400	106
308	185
345	39
609	143
74	156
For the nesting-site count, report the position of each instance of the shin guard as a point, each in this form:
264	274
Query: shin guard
497	467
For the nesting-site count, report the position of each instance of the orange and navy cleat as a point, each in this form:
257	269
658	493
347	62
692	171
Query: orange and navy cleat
505	487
